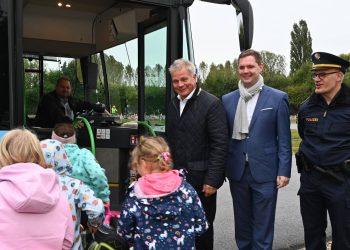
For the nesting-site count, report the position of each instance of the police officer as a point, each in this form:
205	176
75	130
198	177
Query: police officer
324	127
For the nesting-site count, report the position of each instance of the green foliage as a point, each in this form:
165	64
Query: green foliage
277	81
303	75
302	86
274	70
155	100
345	56
221	79
273	64
31	83
347	75
301	46
347	79
203	71
297	94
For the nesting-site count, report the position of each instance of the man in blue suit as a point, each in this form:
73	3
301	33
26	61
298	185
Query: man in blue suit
259	161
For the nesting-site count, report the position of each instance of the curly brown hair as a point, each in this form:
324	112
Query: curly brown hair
64	129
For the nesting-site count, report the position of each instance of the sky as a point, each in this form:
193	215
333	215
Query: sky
215	36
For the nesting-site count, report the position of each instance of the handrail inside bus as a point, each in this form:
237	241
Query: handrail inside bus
91	135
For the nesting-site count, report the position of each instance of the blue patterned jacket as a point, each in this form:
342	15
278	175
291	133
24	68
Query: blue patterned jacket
166	222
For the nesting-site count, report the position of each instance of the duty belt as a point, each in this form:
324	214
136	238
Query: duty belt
333	172
330	171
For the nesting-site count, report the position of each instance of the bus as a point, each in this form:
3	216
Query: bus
116	53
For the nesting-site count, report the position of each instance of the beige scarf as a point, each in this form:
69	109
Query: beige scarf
241	125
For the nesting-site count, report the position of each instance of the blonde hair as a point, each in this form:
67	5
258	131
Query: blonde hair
151	150
20	146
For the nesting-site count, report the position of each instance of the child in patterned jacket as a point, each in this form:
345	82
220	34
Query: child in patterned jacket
80	196
161	211
84	164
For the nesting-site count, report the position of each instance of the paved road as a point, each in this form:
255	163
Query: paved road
288	227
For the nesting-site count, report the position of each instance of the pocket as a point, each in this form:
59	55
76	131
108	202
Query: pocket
311	128
266	109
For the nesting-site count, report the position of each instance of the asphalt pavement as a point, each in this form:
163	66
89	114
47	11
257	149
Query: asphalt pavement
288	224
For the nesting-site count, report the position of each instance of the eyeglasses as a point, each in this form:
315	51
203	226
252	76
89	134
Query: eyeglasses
322	75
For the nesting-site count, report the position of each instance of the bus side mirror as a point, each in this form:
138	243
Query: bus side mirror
245	21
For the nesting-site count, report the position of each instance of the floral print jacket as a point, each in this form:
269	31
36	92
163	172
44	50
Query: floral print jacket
80	196
168	222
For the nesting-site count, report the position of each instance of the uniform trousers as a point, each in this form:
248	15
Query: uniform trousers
318	195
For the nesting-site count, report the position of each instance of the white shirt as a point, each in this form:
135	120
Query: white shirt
184	101
251	106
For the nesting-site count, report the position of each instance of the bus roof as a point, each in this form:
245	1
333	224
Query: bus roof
78	28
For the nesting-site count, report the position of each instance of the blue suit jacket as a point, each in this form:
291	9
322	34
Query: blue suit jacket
269	141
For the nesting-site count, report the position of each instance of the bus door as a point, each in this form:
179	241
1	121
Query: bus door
138	86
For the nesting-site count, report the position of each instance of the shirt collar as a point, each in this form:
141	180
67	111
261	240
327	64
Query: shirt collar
189	96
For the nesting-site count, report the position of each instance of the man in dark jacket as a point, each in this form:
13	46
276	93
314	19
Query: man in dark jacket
197	135
58	106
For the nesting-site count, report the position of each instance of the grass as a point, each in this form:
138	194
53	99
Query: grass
295	140
295	136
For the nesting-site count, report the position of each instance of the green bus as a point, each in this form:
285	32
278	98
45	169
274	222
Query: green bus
116	52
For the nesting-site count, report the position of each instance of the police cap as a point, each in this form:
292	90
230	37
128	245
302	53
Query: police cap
323	60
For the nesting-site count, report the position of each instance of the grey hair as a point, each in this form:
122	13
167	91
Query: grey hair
181	63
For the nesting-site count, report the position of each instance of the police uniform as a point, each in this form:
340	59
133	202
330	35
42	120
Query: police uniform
324	184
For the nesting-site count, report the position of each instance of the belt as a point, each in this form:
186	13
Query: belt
335	168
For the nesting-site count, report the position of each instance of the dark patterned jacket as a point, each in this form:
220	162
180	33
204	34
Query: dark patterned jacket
198	139
164	222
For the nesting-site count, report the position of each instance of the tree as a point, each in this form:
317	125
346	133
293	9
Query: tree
115	69
273	64
301	46
203	71
130	76
160	74
221	79
301	87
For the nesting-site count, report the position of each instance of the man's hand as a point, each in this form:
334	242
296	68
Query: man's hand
92	229
208	190
282	181
80	124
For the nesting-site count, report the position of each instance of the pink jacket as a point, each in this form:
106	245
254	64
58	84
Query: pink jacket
34	213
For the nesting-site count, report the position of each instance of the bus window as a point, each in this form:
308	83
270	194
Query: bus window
121	67
41	74
155	73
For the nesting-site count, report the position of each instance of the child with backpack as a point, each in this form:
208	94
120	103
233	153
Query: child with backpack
161	210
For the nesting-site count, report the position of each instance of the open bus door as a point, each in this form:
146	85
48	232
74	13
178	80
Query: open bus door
118	53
